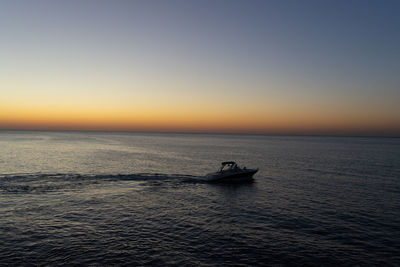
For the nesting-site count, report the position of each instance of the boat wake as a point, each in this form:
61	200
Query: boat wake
47	182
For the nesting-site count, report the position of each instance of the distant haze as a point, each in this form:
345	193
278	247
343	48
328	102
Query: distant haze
273	67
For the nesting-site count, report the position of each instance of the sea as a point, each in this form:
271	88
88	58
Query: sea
140	199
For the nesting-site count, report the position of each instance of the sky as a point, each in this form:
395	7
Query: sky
251	66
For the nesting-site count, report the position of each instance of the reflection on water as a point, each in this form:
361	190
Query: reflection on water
137	199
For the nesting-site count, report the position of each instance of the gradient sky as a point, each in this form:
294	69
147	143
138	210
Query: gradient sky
302	67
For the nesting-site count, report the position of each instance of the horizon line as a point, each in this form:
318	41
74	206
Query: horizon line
207	133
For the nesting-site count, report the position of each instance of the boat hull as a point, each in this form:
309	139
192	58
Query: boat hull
243	176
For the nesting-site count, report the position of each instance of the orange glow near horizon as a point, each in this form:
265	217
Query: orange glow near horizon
167	119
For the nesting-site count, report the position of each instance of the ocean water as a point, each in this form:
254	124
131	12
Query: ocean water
76	198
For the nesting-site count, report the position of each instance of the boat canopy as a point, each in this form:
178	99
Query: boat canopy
228	163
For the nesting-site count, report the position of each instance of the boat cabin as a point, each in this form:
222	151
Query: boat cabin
228	165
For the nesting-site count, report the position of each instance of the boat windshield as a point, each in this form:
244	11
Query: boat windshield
228	166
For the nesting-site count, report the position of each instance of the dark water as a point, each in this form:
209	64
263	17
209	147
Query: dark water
139	199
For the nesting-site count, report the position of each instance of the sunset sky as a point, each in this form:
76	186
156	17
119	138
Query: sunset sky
287	67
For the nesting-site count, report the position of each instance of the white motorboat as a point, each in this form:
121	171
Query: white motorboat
231	172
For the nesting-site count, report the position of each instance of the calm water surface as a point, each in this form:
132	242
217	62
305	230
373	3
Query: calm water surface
140	199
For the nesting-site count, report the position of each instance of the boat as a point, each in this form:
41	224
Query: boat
231	172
